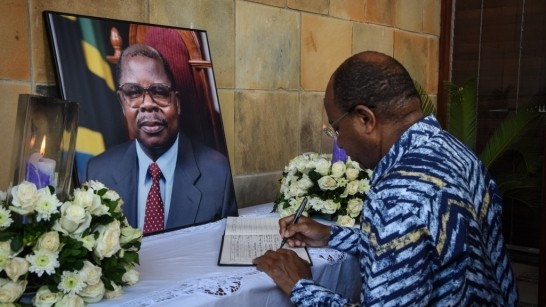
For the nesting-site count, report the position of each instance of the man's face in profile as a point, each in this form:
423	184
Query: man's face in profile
153	116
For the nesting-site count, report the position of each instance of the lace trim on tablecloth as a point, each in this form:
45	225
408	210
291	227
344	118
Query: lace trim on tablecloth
219	285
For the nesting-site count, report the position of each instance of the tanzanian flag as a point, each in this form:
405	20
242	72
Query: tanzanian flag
81	46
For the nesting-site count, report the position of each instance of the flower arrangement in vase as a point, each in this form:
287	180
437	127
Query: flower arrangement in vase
65	254
334	188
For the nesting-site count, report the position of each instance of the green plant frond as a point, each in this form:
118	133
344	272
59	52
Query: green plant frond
531	156
520	189
462	117
506	134
510	184
427	105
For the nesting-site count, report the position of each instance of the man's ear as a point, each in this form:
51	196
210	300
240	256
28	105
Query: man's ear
178	104
367	118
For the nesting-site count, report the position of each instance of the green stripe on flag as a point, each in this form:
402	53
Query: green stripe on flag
94	53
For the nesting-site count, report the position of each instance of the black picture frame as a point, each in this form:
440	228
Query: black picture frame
84	50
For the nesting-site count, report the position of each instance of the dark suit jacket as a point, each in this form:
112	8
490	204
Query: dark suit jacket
202	187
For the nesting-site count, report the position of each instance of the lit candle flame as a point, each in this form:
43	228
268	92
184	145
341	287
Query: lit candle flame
42	148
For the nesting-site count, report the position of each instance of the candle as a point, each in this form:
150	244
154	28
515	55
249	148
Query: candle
40	170
338	153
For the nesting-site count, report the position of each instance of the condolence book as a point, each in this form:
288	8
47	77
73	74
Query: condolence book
246	238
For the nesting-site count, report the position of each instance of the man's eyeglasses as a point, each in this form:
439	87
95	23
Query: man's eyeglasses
134	94
332	130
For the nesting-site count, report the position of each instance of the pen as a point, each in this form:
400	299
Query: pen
296	217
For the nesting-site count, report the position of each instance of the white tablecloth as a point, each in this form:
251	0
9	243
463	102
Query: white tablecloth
179	268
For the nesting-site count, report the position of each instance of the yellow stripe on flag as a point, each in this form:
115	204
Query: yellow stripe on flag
89	141
97	65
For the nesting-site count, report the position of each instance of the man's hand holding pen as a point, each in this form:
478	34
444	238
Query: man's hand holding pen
283	265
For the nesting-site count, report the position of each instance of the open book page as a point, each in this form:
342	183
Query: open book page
246	238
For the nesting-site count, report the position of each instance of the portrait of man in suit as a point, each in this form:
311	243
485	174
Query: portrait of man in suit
146	94
166	179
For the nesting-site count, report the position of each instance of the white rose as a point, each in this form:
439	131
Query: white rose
95	185
291	209
91	273
295	191
354	207
327	183
322	166
117	292
5	246
70	300
108	240
74	219
301	164
114	196
16	267
351	188
352	173
131	276
285	211
352	164
3	196
330	207
45	298
129	234
11	291
25	196
345	220
3	260
98	208
87	199
304	183
50	241
83	197
93	293
338	169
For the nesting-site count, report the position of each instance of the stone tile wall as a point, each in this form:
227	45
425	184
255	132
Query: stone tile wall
272	60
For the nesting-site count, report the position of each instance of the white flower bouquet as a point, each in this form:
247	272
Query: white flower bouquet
335	189
65	254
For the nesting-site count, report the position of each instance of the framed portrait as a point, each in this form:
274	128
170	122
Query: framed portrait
86	50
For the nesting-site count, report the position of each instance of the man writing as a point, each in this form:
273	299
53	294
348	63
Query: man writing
430	232
165	179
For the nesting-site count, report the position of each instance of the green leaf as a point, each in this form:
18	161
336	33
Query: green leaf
462	117
104	219
6	235
17	242
506	134
131	257
427	105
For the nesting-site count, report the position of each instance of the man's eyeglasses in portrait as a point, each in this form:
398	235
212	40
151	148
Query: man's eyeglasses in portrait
134	94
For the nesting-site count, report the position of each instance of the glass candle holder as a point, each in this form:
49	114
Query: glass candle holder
46	130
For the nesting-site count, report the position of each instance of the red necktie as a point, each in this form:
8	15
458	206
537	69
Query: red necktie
154	216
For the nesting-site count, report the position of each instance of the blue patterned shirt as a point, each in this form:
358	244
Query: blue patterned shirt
430	233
